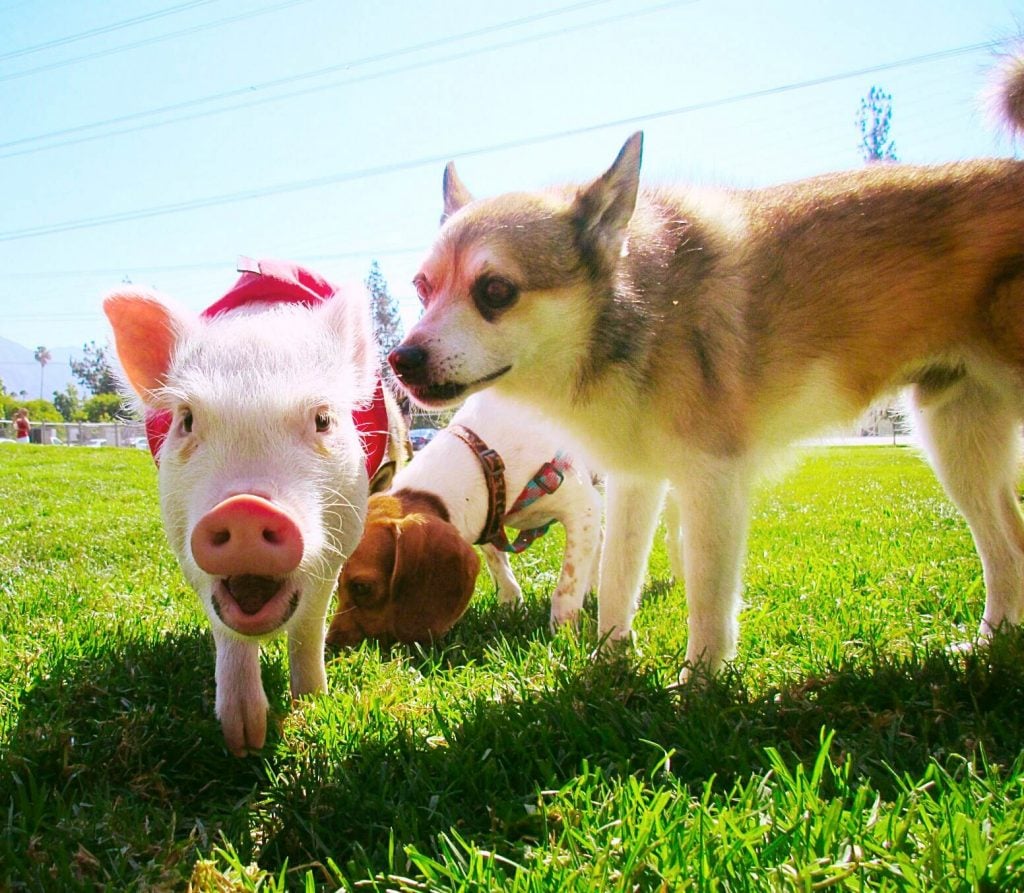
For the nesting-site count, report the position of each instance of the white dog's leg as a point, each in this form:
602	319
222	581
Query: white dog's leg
240	703
582	524
631	515
509	592
713	511
971	433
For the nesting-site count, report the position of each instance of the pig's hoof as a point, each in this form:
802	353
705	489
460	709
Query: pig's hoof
245	730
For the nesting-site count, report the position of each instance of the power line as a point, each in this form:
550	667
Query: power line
415	66
105	29
158	38
201	266
302	76
423	161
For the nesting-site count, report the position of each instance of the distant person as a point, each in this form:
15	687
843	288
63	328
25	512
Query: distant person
22	426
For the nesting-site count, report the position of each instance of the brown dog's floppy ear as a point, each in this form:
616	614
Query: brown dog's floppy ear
456	195
435	572
364	586
603	209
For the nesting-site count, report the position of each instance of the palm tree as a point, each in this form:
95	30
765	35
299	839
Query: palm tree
43	357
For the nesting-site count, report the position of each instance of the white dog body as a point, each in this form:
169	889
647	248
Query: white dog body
447	468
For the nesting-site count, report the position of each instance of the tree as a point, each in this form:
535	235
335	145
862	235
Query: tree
43	356
69	404
93	371
387	324
103	408
874	120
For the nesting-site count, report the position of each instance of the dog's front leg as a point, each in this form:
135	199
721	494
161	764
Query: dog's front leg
582	522
631	514
509	591
713	511
240	701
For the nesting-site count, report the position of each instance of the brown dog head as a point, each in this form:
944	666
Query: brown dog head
410	578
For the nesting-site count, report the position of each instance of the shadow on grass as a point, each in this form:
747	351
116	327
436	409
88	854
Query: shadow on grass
116	769
115	761
895	716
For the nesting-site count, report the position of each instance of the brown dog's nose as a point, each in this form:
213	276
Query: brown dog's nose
409	362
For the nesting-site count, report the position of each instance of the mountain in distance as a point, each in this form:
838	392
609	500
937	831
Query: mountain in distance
19	370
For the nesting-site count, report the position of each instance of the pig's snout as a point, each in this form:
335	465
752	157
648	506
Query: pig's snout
247	535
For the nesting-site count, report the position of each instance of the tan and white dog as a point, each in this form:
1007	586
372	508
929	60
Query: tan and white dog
413	573
685	335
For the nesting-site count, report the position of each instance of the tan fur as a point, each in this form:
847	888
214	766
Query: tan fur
684	335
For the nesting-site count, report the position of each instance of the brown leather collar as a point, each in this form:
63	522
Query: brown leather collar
494	477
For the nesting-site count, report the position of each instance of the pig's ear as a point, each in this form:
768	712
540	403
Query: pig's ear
146	331
348	315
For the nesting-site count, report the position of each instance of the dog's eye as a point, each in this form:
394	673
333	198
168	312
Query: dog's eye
494	293
422	286
187	421
323	422
361	592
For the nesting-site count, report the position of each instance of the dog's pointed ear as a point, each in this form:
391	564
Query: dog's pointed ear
383	476
456	195
602	210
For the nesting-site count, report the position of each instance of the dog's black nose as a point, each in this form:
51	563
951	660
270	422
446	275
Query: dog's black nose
409	363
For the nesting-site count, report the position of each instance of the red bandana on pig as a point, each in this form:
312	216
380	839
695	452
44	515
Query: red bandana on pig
272	281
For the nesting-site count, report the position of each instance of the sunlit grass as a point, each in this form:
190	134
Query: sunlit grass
847	748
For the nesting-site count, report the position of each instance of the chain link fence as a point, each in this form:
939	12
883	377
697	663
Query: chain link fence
92	434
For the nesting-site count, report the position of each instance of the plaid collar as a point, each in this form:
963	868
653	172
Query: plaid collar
548	479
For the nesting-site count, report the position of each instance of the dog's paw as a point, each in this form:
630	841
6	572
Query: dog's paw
510	593
614	646
564	612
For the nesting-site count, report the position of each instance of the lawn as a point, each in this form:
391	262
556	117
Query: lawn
849	747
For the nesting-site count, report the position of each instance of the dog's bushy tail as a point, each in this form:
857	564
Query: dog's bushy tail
1006	95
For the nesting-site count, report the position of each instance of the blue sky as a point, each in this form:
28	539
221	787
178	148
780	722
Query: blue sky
336	118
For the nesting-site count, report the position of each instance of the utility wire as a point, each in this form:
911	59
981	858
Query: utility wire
315	73
105	29
423	161
201	266
158	38
415	66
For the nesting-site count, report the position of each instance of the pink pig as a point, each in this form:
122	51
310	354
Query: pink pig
252	411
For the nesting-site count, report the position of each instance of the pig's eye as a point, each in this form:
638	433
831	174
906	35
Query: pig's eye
323	422
186	421
423	287
361	592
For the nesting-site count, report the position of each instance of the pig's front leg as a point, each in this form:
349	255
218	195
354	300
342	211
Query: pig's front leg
306	654
241	701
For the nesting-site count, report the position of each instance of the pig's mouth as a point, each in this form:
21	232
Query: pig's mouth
254	605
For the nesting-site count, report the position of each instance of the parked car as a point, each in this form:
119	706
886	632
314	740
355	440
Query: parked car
420	437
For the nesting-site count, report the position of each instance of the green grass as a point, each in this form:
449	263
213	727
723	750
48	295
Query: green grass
848	748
